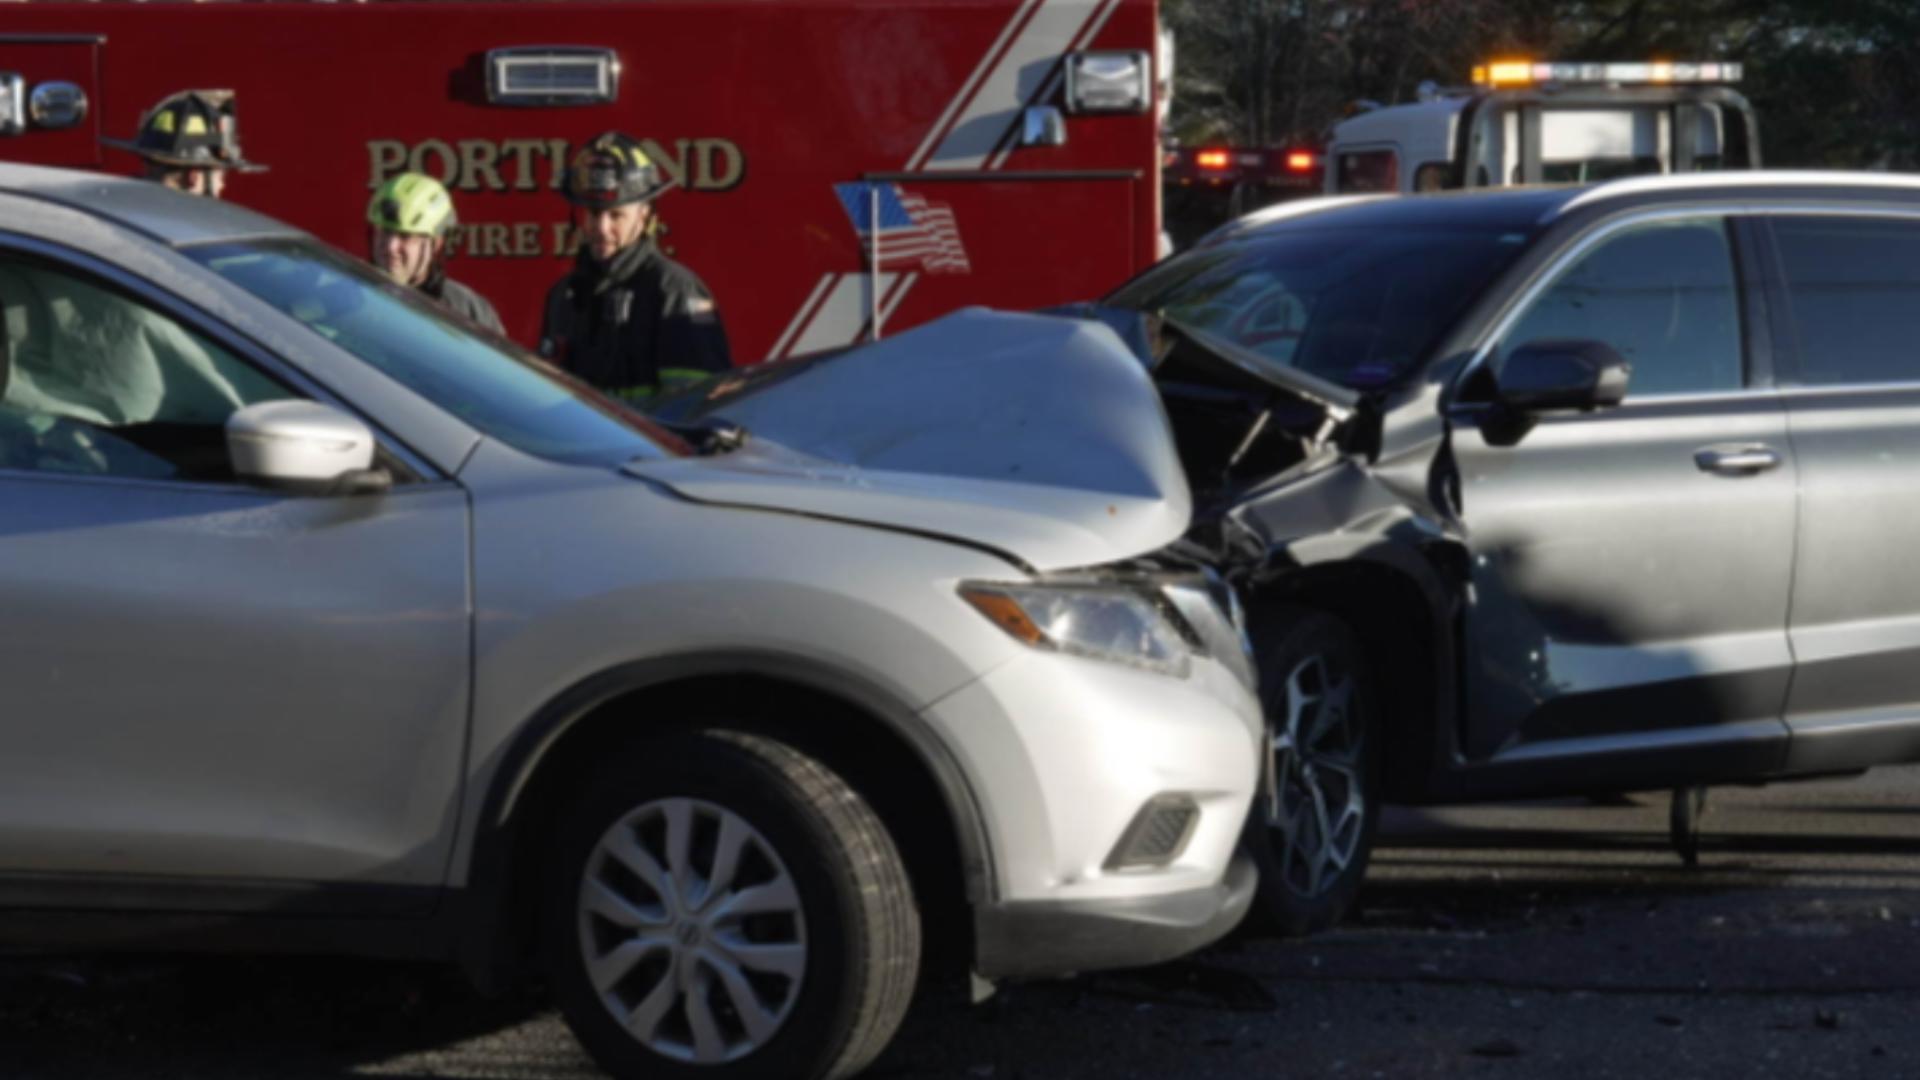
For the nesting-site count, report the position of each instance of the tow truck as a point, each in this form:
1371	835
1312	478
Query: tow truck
1528	122
846	168
1208	184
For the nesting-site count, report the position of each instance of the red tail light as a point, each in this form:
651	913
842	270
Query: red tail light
1211	159
1300	161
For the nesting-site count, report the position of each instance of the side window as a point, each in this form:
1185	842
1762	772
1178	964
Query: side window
94	383
1854	292
1367	170
1663	295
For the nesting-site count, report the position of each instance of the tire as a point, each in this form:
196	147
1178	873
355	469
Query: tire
1310	874
811	981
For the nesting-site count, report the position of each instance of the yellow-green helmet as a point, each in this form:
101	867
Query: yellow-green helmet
413	204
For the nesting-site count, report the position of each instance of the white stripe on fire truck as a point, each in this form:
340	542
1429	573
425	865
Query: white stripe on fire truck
800	317
893	298
945	123
1038	29
1020	71
841	318
1052	85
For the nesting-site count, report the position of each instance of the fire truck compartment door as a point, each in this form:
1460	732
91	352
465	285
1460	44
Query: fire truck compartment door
50	69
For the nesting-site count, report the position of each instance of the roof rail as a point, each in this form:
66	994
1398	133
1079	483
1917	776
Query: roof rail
1620	189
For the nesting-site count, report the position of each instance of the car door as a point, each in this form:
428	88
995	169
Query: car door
210	688
1630	565
1847	296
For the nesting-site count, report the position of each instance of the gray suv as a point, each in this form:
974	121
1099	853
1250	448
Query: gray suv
1553	491
332	623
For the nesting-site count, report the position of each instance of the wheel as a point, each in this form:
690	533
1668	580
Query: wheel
721	905
1312	829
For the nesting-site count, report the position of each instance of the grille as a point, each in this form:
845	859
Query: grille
1158	835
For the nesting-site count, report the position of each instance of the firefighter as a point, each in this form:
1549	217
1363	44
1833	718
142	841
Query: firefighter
628	320
190	141
409	218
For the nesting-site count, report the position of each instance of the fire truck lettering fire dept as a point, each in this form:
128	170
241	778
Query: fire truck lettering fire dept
529	164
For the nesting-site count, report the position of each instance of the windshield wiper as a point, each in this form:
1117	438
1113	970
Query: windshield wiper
709	436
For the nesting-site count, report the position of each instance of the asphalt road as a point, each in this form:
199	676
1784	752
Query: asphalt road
1549	939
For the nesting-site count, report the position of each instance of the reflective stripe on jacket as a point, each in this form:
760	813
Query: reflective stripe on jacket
635	325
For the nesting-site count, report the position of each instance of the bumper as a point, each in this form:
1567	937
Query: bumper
1037	938
1062	755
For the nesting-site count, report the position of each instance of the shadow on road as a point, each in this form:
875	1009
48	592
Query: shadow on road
284	1018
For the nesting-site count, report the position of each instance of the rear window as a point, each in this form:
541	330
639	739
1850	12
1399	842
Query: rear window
1357	306
1367	170
1854	289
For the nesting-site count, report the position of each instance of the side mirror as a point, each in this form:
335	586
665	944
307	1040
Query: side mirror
1542	376
304	447
1043	125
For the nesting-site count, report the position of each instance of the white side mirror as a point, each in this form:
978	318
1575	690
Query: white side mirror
303	446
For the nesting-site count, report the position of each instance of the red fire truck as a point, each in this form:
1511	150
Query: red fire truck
847	167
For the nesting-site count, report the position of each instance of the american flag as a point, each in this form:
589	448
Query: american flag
914	233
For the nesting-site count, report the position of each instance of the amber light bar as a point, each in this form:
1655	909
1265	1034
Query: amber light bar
1658	72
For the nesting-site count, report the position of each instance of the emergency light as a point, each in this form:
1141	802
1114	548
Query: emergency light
1212	159
1117	81
552	75
1658	72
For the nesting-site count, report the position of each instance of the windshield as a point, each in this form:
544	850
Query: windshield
1356	306
486	381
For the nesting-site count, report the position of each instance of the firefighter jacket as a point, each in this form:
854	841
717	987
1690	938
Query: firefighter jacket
634	325
462	301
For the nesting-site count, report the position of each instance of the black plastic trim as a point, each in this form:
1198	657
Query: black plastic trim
1752	258
205	896
1049	938
482	906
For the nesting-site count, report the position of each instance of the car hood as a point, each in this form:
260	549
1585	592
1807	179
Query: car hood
1039	437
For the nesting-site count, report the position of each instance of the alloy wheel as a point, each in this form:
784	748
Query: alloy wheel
1316	800
692	931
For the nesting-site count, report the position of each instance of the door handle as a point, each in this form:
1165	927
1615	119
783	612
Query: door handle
1738	460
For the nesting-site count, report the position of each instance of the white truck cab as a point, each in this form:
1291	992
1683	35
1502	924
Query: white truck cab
1530	123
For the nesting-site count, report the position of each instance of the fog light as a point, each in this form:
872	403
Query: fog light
1158	835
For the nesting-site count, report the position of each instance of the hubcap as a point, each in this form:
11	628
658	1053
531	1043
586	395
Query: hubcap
1316	802
692	931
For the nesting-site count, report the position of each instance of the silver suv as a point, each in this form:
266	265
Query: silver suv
1557	490
333	624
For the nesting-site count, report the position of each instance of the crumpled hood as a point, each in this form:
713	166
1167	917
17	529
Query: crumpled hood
1039	437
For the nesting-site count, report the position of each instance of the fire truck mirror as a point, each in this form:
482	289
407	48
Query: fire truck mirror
13	103
1043	125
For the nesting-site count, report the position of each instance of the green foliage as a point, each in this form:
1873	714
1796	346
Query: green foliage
1836	82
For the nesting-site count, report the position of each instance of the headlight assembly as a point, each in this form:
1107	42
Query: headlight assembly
1119	624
